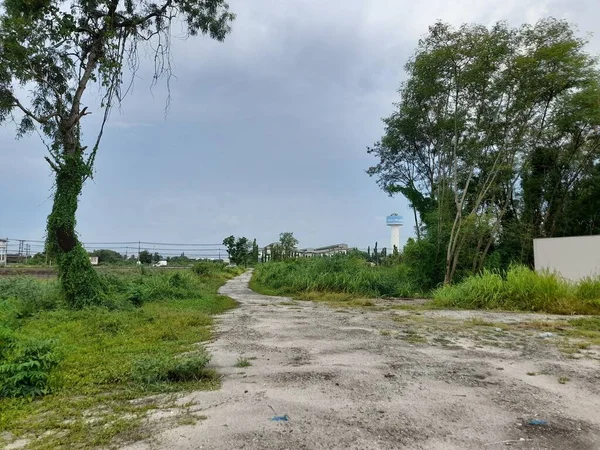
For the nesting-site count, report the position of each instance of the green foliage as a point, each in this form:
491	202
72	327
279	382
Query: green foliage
54	67
288	243
154	370
495	141
214	268
242	362
521	289
79	281
424	267
240	250
25	368
588	289
254	257
106	256
145	257
336	274
101	350
33	295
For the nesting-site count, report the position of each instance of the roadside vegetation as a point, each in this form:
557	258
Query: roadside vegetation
520	288
68	377
350	279
350	275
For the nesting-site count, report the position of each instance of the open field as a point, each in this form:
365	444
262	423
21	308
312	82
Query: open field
392	377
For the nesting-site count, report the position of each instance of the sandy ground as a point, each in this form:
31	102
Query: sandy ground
380	378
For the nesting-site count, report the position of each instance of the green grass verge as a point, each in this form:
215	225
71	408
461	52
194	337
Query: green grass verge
521	289
109	356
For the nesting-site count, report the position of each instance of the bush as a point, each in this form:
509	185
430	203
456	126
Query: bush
153	370
424	269
207	267
520	288
26	366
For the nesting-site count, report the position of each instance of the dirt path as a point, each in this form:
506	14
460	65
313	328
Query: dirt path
386	379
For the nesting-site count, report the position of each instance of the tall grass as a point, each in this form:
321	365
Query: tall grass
337	274
520	288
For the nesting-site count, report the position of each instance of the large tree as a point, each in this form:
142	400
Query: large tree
480	108
51	52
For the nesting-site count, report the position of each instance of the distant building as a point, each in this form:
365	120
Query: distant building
3	251
94	260
329	250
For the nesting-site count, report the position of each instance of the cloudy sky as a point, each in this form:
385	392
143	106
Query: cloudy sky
267	132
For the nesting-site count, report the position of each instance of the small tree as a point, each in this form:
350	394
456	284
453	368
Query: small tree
288	244
375	254
156	257
239	250
277	253
145	257
254	252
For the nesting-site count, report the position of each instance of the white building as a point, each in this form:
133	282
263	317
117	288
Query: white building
3	251
329	250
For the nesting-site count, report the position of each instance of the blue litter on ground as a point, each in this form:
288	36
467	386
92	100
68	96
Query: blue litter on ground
538	422
283	418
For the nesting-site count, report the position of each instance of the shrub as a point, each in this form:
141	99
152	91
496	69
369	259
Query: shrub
153	370
206	267
26	368
424	269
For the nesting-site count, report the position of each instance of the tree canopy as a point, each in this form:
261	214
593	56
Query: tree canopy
495	129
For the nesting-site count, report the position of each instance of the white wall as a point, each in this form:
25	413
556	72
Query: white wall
572	257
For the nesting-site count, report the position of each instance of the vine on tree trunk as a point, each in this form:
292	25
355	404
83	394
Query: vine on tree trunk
80	282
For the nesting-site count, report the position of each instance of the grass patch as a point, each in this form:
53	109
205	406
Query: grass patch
563	380
412	337
243	362
521	289
142	342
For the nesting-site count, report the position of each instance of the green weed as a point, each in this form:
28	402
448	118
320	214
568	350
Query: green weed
243	362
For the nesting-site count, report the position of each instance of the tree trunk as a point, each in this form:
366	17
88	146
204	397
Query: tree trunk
80	282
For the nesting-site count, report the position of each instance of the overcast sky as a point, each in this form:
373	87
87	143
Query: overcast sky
267	132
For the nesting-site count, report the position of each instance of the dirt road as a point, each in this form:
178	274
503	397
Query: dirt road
379	378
